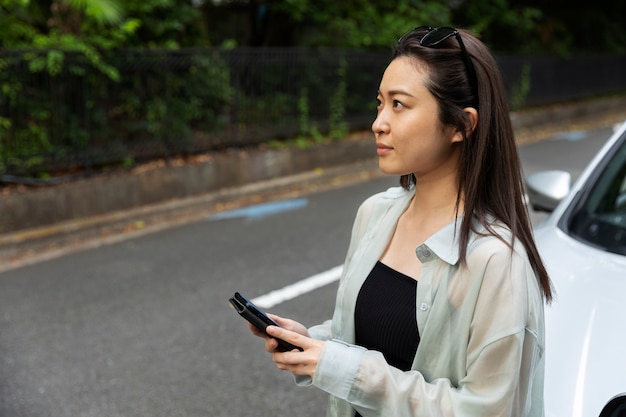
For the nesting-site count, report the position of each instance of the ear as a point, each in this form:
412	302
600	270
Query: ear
471	115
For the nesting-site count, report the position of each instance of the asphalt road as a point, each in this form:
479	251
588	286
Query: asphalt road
143	327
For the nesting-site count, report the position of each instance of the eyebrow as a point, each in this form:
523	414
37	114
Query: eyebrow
397	93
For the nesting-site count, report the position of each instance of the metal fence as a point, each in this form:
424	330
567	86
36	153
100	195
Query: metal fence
62	113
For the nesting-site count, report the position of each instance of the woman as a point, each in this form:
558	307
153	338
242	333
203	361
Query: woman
439	310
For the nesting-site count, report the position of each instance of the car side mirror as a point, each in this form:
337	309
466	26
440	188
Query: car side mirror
546	189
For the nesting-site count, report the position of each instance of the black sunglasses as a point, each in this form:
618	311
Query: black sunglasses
434	36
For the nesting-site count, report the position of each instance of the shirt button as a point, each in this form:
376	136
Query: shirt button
424	306
423	252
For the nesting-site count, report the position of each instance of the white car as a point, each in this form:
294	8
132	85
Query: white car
583	243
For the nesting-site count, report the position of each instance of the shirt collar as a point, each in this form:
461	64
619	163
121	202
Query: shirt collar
444	243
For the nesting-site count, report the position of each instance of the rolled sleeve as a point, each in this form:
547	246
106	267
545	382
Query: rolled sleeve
337	368
321	331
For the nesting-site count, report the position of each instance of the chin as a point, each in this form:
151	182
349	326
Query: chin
385	169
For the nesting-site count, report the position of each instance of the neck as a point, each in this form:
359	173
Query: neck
436	200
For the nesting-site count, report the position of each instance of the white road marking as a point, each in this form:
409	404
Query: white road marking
296	289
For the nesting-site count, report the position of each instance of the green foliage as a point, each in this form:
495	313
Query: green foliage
27	141
59	62
158	101
308	129
165	23
360	23
502	25
168	96
31	143
581	27
66	42
99	24
521	89
337	106
303	112
521	26
64	26
102	11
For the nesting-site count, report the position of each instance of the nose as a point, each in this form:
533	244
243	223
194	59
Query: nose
380	124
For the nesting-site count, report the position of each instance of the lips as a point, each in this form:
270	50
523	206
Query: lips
382	149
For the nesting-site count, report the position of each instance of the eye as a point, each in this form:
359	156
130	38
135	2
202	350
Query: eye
379	103
397	104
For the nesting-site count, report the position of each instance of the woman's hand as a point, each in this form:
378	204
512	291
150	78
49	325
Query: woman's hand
297	362
288	324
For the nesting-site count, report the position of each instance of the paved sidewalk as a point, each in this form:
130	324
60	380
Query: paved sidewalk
38	224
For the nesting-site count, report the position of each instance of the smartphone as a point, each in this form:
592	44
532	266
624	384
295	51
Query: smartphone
258	318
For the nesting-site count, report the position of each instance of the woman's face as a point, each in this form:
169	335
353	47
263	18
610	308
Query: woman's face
410	138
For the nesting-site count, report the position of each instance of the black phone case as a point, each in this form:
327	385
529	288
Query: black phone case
258	318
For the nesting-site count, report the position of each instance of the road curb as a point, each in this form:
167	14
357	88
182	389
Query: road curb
34	244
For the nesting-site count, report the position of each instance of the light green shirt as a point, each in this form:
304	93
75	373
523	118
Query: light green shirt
481	326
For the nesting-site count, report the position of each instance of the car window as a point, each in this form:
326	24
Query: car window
600	216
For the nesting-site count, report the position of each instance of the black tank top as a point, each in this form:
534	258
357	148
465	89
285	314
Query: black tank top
384	316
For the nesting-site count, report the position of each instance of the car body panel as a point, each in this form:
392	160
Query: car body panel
584	326
586	323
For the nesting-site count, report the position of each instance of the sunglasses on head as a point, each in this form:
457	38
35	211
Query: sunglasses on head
434	36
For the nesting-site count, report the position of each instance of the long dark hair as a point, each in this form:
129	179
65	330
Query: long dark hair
490	179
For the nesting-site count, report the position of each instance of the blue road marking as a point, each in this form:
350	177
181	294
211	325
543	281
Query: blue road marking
572	136
258	211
